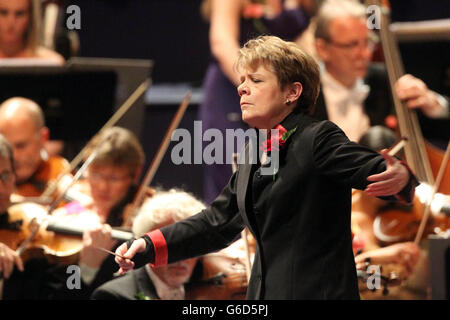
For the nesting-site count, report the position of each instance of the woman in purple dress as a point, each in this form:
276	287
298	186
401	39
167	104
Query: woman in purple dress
232	23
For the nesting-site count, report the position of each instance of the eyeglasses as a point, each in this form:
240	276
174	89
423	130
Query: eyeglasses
113	180
6	176
354	46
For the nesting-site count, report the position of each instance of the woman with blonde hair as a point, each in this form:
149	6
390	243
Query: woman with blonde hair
232	23
297	208
20	35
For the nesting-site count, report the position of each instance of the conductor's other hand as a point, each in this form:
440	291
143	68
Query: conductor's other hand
391	181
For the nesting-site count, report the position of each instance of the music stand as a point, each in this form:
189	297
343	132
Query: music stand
75	103
130	74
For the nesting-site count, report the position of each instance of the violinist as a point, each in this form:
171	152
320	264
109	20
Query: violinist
20	33
355	92
163	282
112	180
8	257
22	122
299	211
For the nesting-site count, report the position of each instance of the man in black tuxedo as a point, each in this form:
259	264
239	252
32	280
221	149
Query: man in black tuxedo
150	282
355	92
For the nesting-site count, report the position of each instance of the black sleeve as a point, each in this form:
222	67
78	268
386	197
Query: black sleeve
212	229
342	160
351	163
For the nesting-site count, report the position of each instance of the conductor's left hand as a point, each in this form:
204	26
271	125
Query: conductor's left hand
389	182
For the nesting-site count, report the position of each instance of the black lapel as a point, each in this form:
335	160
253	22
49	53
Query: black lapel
144	284
242	183
245	169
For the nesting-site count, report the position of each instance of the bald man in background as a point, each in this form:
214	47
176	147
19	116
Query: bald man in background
23	125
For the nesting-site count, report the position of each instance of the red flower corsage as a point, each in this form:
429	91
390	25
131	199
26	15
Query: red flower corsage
281	135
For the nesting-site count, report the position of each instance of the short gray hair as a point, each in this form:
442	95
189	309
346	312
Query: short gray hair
164	208
334	9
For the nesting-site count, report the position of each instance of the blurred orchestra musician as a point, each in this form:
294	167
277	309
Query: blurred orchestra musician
355	92
20	27
356	96
150	282
22	123
8	257
111	183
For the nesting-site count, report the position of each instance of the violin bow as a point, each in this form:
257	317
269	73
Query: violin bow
396	148
248	263
158	158
426	213
51	187
80	172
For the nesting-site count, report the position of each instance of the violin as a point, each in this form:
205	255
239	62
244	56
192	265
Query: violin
48	173
400	223
28	229
49	170
223	278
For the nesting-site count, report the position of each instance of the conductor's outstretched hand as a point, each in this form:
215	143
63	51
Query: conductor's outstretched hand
391	181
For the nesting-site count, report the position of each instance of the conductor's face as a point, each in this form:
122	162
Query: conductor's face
263	101
14	19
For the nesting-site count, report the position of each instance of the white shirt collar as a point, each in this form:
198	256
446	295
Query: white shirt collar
345	106
357	94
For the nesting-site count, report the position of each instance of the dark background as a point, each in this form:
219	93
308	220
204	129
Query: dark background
170	32
173	34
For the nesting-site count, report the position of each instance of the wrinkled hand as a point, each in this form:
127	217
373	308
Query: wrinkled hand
138	245
405	254
389	182
415	93
94	237
9	258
